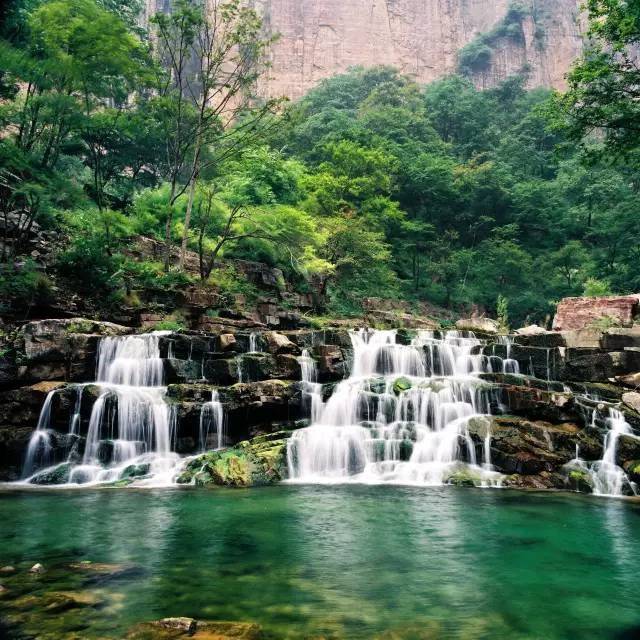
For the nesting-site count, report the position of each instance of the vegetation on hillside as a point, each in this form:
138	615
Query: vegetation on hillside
371	185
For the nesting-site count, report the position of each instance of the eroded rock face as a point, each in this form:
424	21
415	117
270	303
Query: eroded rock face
582	313
60	349
422	38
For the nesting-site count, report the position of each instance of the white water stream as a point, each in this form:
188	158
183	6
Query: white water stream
130	425
401	417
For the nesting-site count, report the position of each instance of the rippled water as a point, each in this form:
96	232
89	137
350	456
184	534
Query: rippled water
344	561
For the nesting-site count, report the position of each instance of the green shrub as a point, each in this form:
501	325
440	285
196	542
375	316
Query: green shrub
594	288
169	325
151	276
89	265
230	283
24	284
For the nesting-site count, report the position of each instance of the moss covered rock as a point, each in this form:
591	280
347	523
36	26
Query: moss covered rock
401	385
260	461
54	475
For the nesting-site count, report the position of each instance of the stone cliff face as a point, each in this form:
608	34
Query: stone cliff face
422	38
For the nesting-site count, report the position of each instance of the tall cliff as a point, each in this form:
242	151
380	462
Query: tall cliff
422	38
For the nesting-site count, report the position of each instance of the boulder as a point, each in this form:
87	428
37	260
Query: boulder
629	380
279	343
531	330
260	461
481	325
332	362
582	313
632	400
227	342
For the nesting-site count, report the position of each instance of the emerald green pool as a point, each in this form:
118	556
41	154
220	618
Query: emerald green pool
337	561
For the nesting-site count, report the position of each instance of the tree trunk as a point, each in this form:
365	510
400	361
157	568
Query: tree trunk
187	221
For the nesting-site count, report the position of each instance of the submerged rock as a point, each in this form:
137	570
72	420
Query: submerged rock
171	628
37	568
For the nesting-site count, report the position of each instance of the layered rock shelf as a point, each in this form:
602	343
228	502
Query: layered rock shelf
554	406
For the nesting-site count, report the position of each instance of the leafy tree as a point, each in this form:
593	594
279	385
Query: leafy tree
604	86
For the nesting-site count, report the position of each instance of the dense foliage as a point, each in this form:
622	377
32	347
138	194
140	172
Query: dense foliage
369	186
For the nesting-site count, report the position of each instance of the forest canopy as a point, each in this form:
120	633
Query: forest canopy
371	185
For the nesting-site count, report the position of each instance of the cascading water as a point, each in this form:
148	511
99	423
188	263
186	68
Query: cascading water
211	423
605	476
130	422
401	417
253	343
311	389
40	450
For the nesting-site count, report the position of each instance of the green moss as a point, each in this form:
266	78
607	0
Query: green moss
255	462
401	385
80	326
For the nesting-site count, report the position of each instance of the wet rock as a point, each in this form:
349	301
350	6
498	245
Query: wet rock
55	475
7	569
526	447
227	342
632	400
135	471
594	365
332	363
197	629
541	481
632	469
628	449
101	572
401	385
37	568
616	339
61	349
259	461
176	371
579	480
221	372
279	343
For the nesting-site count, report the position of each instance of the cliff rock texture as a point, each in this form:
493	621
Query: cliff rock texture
422	38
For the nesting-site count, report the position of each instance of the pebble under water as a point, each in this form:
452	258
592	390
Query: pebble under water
331	561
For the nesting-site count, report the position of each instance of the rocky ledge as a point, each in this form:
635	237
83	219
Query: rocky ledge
568	377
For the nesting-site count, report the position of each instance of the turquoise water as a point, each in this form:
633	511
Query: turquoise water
342	561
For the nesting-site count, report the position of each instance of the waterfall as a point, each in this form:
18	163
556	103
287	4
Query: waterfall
608	478
253	342
605	476
130	422
401	417
211	422
311	389
39	451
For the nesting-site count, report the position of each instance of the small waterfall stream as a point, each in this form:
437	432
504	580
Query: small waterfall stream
211	423
130	422
401	417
